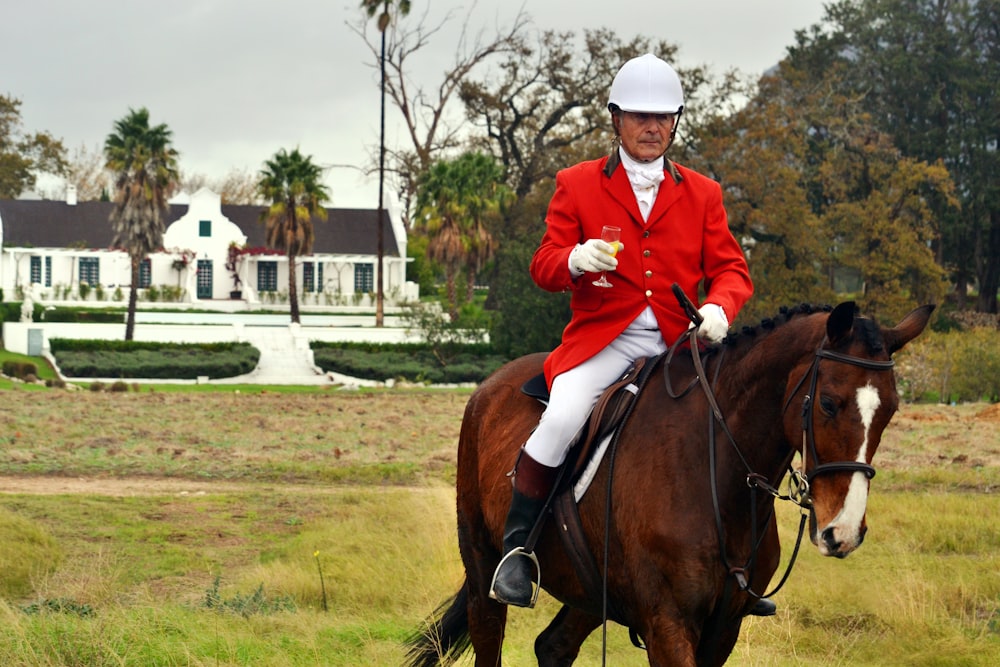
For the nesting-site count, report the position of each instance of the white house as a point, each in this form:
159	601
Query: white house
58	251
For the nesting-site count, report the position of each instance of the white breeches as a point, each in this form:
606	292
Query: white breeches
575	392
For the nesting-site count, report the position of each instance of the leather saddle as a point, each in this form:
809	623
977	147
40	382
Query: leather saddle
607	415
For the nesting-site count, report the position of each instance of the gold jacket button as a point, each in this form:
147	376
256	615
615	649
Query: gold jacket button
649	274
649	293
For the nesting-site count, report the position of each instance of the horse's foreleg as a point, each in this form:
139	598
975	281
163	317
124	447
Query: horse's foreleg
559	644
669	643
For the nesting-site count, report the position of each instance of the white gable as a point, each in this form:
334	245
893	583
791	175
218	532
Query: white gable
203	228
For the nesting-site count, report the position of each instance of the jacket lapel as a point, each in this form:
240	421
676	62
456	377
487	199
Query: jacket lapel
616	184
668	193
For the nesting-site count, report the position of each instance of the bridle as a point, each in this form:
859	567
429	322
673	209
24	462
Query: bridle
805	476
799	481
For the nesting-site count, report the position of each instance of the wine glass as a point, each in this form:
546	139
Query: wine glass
610	235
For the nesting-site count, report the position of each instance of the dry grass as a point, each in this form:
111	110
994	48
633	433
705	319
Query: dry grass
133	503
324	435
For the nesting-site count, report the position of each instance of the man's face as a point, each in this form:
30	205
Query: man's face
645	136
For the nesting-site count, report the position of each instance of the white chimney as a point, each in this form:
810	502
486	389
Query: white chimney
71	195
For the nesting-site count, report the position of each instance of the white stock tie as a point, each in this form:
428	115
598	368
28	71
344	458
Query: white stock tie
645	178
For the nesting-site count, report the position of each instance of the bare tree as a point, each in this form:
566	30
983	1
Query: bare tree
239	186
426	110
549	98
86	171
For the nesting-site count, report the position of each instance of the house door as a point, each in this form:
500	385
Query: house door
204	279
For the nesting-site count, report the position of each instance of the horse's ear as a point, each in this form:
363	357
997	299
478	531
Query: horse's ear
840	322
908	329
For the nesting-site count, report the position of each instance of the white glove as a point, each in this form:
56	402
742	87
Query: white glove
593	256
714	324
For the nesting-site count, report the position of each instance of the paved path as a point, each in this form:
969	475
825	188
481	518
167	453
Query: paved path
285	358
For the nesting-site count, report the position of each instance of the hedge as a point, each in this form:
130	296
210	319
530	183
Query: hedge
144	359
416	362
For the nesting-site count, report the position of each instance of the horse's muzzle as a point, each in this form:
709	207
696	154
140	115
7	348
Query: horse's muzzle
837	541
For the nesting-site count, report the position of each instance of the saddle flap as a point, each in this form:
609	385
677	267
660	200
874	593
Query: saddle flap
607	415
537	388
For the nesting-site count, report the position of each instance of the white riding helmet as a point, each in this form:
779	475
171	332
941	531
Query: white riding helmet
646	85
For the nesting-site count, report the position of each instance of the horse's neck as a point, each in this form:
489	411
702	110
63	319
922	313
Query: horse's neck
752	386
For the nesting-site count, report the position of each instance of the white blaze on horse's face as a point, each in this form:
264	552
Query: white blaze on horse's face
844	534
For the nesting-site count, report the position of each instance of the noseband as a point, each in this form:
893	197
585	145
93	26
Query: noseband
808	432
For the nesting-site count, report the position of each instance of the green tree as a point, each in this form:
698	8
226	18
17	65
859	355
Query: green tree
23	155
761	155
457	203
291	182
822	200
927	72
144	165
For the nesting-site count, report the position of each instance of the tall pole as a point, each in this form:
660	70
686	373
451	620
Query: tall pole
380	234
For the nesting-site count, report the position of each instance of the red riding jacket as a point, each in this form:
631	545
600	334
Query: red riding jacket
686	240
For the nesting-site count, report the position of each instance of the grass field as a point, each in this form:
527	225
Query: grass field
250	526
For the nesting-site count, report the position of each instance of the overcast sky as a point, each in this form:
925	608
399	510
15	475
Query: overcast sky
237	80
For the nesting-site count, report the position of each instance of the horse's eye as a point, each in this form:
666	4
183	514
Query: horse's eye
828	406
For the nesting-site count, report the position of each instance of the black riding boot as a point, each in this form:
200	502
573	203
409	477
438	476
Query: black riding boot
763	607
513	580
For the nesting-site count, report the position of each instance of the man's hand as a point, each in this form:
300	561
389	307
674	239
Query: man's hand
714	325
593	256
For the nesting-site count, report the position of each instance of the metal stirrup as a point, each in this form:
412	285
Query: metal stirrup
521	553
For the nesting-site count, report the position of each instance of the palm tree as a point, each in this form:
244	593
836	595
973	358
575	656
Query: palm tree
291	182
402	8
456	201
145	168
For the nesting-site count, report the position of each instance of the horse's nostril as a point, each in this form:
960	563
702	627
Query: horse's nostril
830	540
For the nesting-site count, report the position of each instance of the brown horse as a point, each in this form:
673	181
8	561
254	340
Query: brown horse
690	535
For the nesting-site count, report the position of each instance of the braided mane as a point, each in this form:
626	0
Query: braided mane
768	324
866	329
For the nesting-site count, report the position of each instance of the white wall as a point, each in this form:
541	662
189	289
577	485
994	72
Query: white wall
15	334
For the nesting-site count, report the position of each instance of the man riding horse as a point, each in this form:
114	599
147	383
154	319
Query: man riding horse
673	230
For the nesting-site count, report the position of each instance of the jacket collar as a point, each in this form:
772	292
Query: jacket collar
620	189
615	160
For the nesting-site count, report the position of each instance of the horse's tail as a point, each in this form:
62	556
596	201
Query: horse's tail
445	636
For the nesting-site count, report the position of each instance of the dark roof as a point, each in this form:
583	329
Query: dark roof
56	224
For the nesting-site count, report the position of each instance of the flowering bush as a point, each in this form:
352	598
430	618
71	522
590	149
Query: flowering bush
184	256
236	254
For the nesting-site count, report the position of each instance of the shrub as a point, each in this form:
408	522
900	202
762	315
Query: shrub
415	362
951	366
151	360
247	605
59	606
20	369
11	312
84	315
